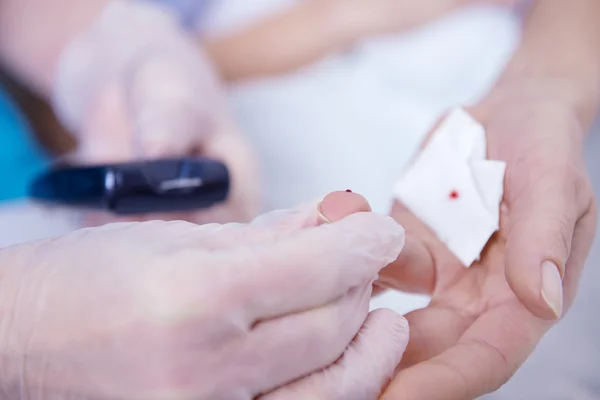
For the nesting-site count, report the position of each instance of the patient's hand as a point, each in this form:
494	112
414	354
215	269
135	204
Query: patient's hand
484	321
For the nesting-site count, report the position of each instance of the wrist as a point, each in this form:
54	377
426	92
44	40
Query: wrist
559	56
577	89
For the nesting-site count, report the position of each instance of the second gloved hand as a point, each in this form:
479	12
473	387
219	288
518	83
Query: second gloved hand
134	87
174	310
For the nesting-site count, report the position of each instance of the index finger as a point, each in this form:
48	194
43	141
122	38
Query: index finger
311	267
275	225
483	359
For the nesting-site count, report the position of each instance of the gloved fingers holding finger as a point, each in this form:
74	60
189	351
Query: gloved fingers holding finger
306	342
364	369
309	268
280	224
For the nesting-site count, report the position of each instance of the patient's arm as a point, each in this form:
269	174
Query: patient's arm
282	42
561	51
33	33
312	29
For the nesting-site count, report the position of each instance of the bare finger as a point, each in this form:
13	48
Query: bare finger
484	358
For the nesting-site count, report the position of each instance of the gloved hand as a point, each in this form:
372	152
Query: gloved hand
174	310
134	86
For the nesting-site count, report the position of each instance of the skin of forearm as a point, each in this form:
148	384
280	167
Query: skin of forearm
34	32
561	48
279	43
312	29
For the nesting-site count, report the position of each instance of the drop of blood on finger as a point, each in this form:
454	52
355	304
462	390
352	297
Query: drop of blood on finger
454	195
348	191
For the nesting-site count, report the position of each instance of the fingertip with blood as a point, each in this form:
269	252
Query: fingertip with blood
338	205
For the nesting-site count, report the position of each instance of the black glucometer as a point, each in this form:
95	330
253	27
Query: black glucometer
164	185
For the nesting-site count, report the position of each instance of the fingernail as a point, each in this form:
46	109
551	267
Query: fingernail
322	216
552	289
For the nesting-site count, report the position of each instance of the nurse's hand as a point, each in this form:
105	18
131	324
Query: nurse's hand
148	92
484	321
175	310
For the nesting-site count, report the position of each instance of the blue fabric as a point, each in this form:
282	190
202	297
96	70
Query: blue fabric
21	158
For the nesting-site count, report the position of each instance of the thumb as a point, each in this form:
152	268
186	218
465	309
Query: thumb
541	224
276	225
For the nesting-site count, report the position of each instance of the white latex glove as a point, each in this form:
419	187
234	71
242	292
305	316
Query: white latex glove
134	86
173	310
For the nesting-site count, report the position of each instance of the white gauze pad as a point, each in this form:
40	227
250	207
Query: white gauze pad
454	189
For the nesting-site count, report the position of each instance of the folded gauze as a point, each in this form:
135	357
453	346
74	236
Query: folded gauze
454	189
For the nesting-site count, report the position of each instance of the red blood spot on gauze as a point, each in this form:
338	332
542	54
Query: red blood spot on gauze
454	195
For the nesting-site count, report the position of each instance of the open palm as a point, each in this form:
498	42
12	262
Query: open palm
484	321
